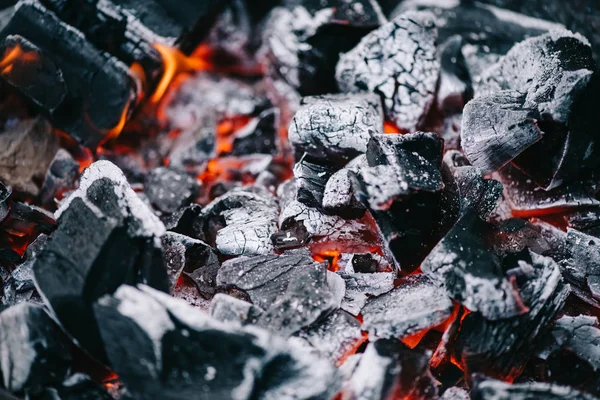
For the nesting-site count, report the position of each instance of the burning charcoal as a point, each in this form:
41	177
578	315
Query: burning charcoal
454	88
75	387
501	348
366	263
192	257
455	393
302	42
177	343
195	146
169	189
527	200
339	197
259	136
583	261
586	221
336	337
84	91
562	101
514	235
229	309
60	177
290	238
498	127
490	389
414	306
34	350
470	271
264	278
388	370
311	179
335	128
106	236
27	150
311	294
398	61
5	193
360	286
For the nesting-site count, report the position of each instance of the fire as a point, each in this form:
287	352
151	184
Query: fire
118	128
226	128
390	127
13	54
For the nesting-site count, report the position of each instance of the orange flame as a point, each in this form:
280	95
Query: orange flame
13	54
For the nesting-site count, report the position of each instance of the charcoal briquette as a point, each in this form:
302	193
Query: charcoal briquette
169	189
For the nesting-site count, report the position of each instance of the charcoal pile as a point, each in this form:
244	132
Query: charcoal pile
299	200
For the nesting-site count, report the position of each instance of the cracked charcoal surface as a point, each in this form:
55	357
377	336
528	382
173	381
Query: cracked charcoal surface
399	62
455	393
454	88
470	272
415	305
583	261
177	342
387	370
310	179
336	127
361	286
229	309
498	127
501	348
339	197
60	177
363	263
490	389
169	189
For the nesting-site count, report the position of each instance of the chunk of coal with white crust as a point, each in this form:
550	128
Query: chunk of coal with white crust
35	352
555	72
227	308
514	235
454	88
311	179
455	393
363	263
335	337
302	41
501	348
335	128
361	286
60	177
579	335
169	189
415	305
388	370
311	294
195	145
339	197
498	127
5	193
106	237
583	261
180	360
192	257
259	136
470	271
526	200
491	389
264	278
399	62
245	219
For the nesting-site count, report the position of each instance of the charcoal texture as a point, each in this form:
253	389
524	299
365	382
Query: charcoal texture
489	389
454	87
20	287
169	189
5	193
361	286
335	128
582	262
339	195
229	309
398	61
177	343
415	305
60	177
311	179
106	237
259	136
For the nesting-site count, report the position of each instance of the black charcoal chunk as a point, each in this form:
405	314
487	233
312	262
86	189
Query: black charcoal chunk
497	128
192	257
398	62
84	91
195	145
303	40
363	263
76	387
259	136
336	337
335	128
339	197
501	348
471	272
555	72
415	305
388	370
583	261
264	278
454	88
514	235
455	393
586	221
169	189
290	238
229	309
490	389
188	354
311	179
361	286
35	352
5	193
20	287
311	294
60	177
106	237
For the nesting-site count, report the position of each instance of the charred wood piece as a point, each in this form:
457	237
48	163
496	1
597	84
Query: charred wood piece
311	179
582	264
454	87
335	128
259	136
455	393
360	286
169	189
339	196
363	263
488	389
60	177
230	309
76	386
415	305
5	193
106	237
399	62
